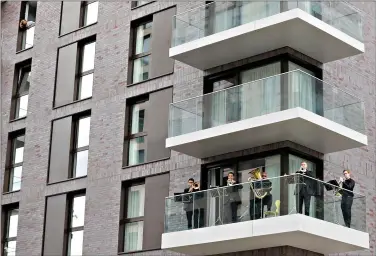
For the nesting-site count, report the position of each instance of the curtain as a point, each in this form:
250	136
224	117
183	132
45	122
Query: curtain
301	88
255	10
263	96
136	199
133	236
294	165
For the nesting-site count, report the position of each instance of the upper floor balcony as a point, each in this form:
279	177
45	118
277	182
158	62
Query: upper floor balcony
223	32
265	213
292	106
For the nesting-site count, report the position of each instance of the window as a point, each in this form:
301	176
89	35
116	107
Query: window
76	220
80	152
142	52
137	134
10	232
133	218
21	96
27	24
13	173
139	3
86	71
89	14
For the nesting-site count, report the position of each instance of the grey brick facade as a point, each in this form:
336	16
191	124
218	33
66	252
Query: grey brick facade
110	92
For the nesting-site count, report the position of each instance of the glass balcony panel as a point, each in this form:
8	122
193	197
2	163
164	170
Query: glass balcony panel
263	198
216	17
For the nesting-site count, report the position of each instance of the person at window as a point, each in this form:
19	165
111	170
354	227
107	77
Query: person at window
231	199
348	185
304	189
190	203
24	24
268	199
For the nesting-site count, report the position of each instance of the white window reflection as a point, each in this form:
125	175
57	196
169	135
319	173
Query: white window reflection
86	86
21	107
12	223
91	13
81	162
10	248
83	132
75	243
18	150
88	57
78	213
15	183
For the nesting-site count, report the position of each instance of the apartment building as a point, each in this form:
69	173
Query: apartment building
109	108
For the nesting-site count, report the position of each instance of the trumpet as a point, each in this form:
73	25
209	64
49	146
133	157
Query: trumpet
230	182
196	185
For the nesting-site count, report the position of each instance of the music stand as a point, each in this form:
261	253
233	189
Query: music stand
216	192
295	179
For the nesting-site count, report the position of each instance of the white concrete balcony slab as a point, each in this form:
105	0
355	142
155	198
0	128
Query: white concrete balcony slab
224	32
294	230
316	115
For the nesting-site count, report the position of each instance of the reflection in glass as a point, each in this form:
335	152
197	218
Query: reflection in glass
137	148
12	223
10	248
75	243
135	201
18	149
81	160
141	67
91	13
88	57
138	118
86	86
78	213
133	236
15	179
83	132
143	38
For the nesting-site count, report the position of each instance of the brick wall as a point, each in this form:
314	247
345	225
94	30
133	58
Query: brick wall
105	172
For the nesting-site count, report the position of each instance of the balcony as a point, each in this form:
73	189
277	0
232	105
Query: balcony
223	32
215	230
292	106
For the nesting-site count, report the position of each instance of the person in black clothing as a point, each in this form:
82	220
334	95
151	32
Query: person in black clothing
268	199
189	207
232	199
348	185
304	189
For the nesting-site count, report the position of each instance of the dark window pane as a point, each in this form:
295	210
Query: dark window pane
31	11
75	243
80	165
24	82
88	57
78	213
83	132
137	118
135	145
91	13
18	149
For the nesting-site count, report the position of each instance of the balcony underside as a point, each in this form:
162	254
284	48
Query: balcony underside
298	125
294	230
295	28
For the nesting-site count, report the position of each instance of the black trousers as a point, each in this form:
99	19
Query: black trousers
231	212
346	204
306	198
255	209
267	200
196	218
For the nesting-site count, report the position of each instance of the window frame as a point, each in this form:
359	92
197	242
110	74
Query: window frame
79	63
16	87
22	32
123	212
133	56
68	220
134	4
83	12
128	124
9	173
74	147
5	221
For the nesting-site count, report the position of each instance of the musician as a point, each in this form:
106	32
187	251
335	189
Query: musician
304	189
348	185
232	199
191	209
268	199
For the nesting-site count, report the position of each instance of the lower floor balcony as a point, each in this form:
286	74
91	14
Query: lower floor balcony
292	210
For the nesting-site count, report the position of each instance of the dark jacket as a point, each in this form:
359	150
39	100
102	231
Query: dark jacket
232	193
192	200
261	185
308	188
349	185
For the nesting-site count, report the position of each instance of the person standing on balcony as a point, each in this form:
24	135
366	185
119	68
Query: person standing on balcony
348	185
304	189
191	207
268	199
231	199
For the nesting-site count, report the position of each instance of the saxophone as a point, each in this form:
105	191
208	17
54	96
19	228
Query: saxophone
256	176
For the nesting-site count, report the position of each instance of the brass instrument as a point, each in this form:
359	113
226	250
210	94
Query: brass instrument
230	182
256	176
196	185
337	190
